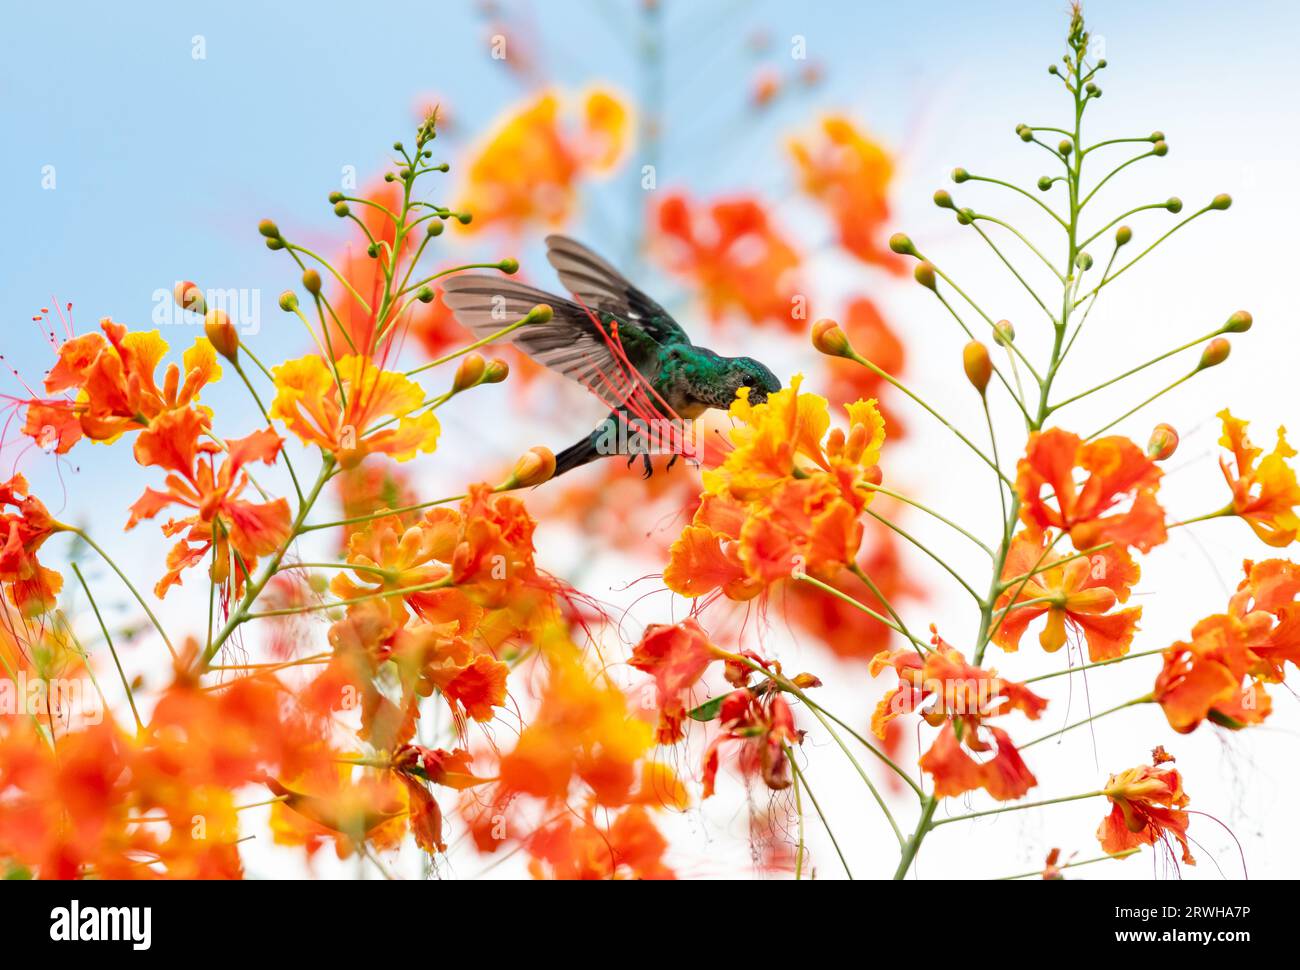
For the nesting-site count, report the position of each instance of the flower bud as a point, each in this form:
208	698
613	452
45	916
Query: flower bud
805	680
1221	201
1160	149
469	373
435	227
341	209
1156	136
268	229
424	294
221	334
274	244
978	366
1003	333
1174	205
188	296
509	266
497	371
1044	183
1065	146
960	175
1239	322
1162	443
965	216
901	244
1215	353
1123	236
1025	132
1083	261
288	301
829	339
335	198
311	281
924	274
542	313
943	200
535	466
464	218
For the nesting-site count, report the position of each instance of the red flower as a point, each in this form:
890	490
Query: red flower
31	587
677	657
764	725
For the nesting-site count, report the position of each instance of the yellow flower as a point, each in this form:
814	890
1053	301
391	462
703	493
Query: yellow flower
1266	494
360	422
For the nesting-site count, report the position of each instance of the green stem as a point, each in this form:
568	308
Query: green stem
126	684
1145	699
1015	808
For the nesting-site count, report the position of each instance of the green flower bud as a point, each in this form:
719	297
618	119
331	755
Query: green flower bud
965	216
924	274
509	266
1160	149
1065	146
1156	136
1174	205
288	301
943	200
1083	261
341	209
311	281
1044	183
1123	236
901	244
1003	333
268	229
464	218
1221	201
335	198
274	244
960	175
435	227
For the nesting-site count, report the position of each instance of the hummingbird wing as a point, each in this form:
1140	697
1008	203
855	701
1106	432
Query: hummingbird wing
600	286
570	343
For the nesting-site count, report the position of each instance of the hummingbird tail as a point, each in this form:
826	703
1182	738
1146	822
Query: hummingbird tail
576	455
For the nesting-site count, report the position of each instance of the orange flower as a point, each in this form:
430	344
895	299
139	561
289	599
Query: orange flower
948	691
30	586
764	725
527	170
1117	470
629	848
1146	806
373	486
307	400
785	499
1264	490
1077	594
65	811
734	255
114	380
341	804
676	656
582	731
1259	634
221	520
850	174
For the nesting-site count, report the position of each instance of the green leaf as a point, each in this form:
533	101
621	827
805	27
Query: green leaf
707	711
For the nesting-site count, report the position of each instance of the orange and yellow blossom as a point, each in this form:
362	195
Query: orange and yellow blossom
375	413
221	521
527	171
1077	594
1146	806
1220	673
761	721
1098	509
1264	490
850	174
785	500
735	256
677	656
113	376
948	691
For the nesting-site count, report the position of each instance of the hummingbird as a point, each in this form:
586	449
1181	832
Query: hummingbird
614	340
